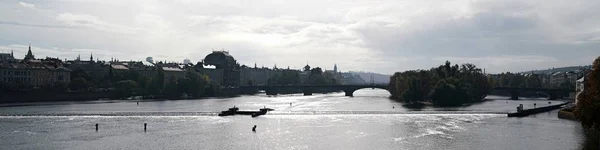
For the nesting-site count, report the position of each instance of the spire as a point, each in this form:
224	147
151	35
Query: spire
29	54
91	57
334	67
12	53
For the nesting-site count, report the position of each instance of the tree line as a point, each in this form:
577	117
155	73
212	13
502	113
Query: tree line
517	80
292	77
132	83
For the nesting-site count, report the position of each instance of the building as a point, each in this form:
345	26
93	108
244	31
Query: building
580	86
562	77
171	73
225	63
118	69
33	72
95	69
36	73
256	76
7	56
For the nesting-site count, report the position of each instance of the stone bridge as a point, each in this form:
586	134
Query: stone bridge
309	89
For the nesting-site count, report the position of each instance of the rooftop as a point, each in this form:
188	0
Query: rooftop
171	69
119	67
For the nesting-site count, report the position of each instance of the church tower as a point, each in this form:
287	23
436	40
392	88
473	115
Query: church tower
335	68
29	54
307	67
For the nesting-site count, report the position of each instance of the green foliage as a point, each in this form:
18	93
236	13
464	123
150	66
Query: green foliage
126	87
444	85
316	71
194	83
533	81
171	89
288	77
518	80
78	83
450	92
588	104
414	91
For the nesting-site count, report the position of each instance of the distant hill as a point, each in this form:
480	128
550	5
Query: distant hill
561	69
377	77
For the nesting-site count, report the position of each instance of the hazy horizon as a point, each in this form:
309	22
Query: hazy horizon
372	36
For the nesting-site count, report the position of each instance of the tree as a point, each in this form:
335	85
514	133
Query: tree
288	77
172	89
414	92
448	92
517	81
196	83
588	106
445	85
126	87
78	83
533	81
316	71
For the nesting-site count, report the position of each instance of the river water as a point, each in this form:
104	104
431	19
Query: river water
322	121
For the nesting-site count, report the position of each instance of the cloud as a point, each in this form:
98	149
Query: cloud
32	25
93	22
382	36
27	5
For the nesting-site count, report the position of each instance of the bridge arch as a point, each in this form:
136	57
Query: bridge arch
349	91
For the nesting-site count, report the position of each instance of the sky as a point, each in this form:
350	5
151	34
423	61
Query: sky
358	35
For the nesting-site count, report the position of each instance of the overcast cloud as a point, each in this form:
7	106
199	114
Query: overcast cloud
370	35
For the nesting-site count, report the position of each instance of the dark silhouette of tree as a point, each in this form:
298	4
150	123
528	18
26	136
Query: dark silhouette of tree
533	81
126	88
78	83
588	106
316	71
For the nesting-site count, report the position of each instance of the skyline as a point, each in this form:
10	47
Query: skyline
375	36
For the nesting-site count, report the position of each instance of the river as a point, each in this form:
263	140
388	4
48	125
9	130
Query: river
369	120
